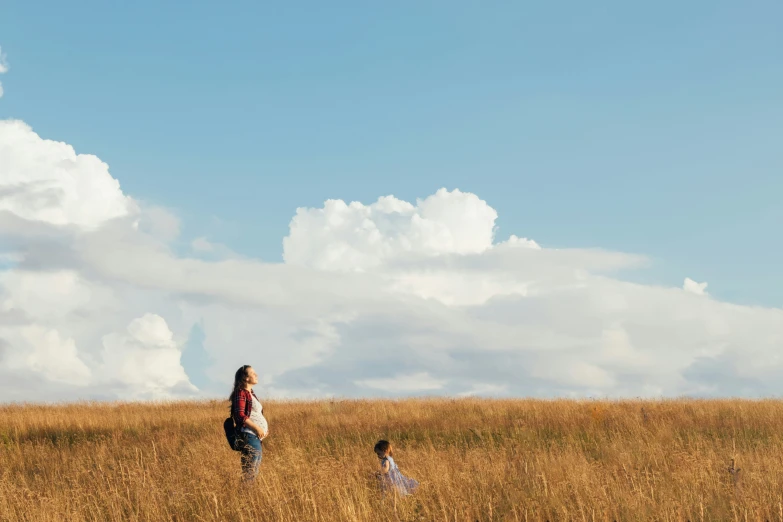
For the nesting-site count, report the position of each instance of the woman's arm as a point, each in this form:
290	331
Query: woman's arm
238	410
385	466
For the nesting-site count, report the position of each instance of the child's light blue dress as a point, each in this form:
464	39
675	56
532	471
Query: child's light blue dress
396	480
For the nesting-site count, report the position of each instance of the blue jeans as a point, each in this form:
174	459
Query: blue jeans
250	446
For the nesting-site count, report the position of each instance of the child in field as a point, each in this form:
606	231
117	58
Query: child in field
390	476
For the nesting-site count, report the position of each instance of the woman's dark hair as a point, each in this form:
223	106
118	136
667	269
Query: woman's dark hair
239	380
383	446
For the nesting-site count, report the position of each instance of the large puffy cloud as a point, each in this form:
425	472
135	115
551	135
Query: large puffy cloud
45	180
55	313
360	237
145	359
387	298
45	351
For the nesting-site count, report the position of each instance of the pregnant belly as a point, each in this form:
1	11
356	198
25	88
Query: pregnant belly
261	421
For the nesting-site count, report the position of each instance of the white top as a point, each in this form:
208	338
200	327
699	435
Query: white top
257	417
394	478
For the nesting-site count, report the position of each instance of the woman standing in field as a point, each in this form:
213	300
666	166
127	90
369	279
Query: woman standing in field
251	426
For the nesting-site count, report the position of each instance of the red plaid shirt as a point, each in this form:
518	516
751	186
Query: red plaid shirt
242	406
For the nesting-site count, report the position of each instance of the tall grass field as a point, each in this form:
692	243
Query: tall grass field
475	459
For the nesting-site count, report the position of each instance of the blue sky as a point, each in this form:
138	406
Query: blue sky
655	129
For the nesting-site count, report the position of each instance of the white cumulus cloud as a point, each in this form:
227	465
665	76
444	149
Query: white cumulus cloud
45	180
693	287
389	297
145	359
361	237
45	351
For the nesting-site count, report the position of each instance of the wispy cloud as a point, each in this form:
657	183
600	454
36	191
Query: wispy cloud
3	68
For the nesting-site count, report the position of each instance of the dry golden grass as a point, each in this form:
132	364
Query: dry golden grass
475	460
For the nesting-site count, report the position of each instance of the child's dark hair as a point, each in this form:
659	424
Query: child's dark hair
383	446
